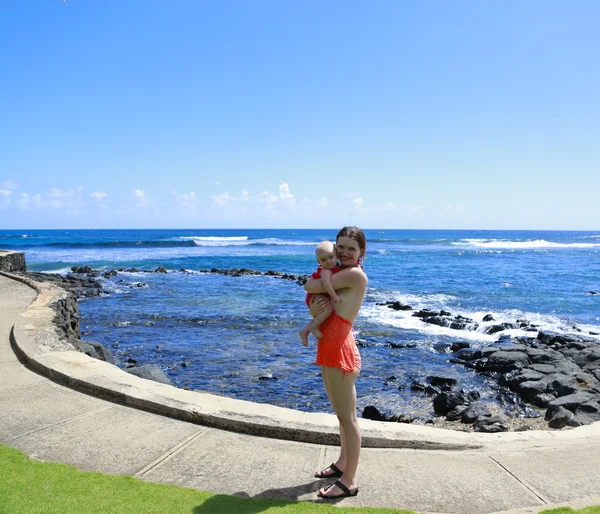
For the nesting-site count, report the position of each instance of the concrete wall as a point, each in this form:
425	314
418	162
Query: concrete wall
12	261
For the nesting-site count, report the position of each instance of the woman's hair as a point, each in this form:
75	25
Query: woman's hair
357	235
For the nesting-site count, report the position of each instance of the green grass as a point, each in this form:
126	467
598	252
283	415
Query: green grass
29	486
568	510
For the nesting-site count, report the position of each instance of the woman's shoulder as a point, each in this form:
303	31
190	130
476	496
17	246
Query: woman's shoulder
356	274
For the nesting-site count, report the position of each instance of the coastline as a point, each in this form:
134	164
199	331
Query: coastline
40	347
489	420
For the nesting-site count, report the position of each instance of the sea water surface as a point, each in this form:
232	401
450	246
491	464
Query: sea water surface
238	336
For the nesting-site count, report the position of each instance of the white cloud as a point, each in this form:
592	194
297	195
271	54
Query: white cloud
5	195
99	195
139	193
284	192
189	196
57	192
23	201
358	202
455	208
223	199
217	182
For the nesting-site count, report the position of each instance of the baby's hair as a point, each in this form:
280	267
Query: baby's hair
325	246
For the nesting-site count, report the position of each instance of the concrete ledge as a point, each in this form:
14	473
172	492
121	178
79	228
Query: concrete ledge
38	345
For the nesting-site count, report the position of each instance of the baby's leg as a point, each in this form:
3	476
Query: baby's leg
319	319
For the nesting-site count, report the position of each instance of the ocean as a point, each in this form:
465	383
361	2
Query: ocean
238	336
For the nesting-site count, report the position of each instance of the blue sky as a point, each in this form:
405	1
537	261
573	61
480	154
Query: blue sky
269	114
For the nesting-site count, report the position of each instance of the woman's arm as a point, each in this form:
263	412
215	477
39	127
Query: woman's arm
345	278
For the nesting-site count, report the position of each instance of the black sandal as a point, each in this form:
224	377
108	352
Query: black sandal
345	492
337	473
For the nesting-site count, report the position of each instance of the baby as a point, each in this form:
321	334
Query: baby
328	265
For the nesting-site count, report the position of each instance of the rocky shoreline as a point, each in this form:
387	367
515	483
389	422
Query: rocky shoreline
557	374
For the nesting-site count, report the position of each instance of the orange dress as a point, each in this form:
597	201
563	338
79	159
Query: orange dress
338	347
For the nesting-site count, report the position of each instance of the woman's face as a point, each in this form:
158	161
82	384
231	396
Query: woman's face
348	251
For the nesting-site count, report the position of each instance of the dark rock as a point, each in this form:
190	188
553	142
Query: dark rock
459	346
150	372
488	317
505	361
372	412
562	385
161	269
512	379
442	382
586	413
443	403
474	411
500	328
456	413
397	306
530	389
427	389
491	425
571	402
560	418
94	349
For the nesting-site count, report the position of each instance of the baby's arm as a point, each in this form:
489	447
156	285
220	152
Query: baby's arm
326	282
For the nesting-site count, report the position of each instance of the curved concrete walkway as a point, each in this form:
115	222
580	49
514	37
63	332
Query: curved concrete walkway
462	473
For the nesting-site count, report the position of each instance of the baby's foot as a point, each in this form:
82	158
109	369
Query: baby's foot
316	332
304	337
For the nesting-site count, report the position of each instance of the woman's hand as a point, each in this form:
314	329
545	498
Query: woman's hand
318	303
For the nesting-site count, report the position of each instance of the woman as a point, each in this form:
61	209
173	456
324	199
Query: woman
339	359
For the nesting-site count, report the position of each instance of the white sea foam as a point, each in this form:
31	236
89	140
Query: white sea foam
242	241
213	238
520	245
405	320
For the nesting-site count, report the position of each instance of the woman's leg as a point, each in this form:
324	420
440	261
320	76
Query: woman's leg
340	463
342	394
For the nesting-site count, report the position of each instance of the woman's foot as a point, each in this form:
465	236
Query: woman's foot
331	471
338	490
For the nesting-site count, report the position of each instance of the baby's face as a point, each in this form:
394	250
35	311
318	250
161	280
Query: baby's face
327	260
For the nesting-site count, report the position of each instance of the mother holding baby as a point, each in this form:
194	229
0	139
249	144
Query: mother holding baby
338	356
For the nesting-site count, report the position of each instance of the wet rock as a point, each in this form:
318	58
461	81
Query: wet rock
442	382
455	347
397	306
94	349
150	372
443	403
425	388
372	412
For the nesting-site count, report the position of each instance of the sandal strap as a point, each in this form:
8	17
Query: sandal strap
342	487
335	468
